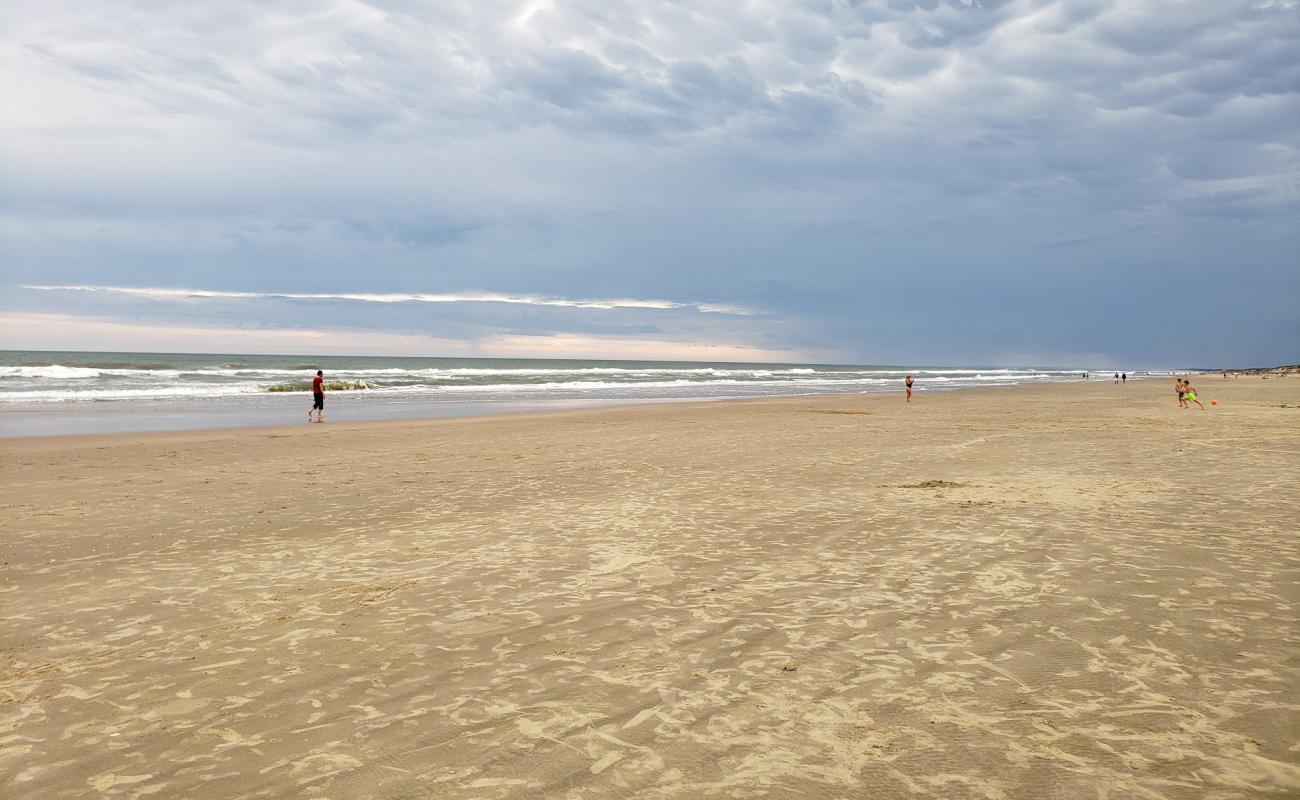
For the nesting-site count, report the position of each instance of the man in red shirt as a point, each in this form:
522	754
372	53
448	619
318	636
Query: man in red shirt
318	397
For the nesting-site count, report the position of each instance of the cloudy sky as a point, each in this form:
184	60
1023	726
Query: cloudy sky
1083	182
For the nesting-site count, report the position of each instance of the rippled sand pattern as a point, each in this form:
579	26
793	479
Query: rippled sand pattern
1052	592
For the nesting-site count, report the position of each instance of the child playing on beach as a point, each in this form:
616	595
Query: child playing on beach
1178	387
318	397
1190	394
907	382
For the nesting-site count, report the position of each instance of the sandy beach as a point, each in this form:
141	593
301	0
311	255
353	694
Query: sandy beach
1061	591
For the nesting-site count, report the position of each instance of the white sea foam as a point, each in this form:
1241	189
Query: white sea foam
152	393
160	377
52	372
679	383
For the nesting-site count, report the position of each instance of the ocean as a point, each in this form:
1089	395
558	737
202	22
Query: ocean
51	393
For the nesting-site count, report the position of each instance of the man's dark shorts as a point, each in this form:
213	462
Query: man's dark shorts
319	401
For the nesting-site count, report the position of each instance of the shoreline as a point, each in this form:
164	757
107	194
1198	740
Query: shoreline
401	412
592	407
69	393
397	415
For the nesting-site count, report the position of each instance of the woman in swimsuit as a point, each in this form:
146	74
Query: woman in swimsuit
908	383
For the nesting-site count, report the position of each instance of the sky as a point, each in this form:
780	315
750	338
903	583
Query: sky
1083	183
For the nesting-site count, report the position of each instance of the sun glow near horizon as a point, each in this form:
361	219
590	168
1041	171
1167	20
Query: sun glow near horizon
35	331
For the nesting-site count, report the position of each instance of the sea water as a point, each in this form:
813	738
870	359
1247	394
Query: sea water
47	392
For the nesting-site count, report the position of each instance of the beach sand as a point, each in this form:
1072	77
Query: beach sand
1063	591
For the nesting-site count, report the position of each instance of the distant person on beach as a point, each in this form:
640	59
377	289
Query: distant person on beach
907	382
1123	377
1116	377
318	397
1190	394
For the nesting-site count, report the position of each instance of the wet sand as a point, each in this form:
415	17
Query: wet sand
1069	591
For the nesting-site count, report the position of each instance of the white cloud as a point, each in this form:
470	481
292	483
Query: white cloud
159	293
